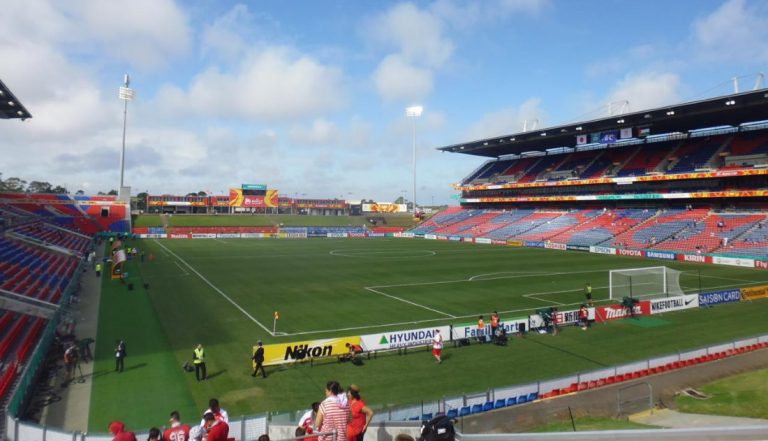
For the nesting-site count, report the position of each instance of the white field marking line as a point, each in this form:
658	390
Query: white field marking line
181	268
272	255
215	288
727	278
221	241
480	276
393	254
369	288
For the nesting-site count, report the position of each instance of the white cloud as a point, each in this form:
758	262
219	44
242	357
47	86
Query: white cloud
737	30
321	132
646	90
466	14
224	37
398	80
271	84
509	120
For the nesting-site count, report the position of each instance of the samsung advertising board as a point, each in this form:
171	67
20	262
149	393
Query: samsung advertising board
719	297
659	255
402	339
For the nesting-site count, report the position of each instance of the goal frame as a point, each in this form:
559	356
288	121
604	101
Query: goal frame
663	270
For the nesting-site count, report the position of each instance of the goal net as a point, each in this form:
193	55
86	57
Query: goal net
644	282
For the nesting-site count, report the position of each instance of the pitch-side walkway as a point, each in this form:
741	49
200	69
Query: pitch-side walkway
679	420
70	413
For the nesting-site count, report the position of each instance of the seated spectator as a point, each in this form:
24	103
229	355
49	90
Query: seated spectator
354	352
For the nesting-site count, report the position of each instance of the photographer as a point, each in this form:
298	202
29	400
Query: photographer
71	357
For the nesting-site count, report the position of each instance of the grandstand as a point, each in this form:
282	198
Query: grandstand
689	178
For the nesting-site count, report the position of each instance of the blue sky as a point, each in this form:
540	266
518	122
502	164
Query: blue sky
309	96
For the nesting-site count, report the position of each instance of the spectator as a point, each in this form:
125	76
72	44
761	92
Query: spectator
155	435
494	323
117	428
263	437
177	431
218	413
307	421
333	413
216	429
480	330
361	415
353	352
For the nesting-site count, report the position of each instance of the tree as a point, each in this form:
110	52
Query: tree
202	193
191	194
112	192
14	185
79	192
141	200
59	190
39	187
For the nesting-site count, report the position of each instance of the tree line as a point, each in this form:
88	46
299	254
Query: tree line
19	185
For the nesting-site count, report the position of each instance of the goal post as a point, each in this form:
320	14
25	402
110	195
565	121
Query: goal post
644	282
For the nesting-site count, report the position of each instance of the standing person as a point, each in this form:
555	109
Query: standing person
584	317
333	413
258	358
98	270
437	346
155	434
117	428
218	413
361	415
198	359
120	354
177	431
216	430
588	293
70	360
494	324
307	421
480	330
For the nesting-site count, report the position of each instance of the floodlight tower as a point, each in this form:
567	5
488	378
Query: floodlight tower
125	94
414	112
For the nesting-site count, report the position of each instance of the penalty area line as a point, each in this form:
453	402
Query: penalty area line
215	288
181	268
371	289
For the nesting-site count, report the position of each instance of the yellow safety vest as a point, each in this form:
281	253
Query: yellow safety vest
199	356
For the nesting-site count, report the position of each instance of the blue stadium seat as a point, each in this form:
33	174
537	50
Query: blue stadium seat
416	418
477	408
488	406
511	401
533	396
426	416
452	413
464	411
522	399
500	403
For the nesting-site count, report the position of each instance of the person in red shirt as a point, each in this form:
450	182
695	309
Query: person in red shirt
361	415
494	324
217	430
117	428
177	431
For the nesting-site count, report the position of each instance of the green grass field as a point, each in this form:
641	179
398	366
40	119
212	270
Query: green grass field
223	293
742	395
268	220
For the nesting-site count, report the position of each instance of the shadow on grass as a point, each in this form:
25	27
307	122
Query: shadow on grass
216	374
136	366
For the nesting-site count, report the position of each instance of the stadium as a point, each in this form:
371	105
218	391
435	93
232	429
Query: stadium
592	274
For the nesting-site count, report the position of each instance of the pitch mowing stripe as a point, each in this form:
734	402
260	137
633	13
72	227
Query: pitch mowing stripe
215	288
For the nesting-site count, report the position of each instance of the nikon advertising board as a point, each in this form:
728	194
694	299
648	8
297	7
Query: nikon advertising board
280	353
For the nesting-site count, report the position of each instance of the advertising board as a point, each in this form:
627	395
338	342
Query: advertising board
470	330
337	235
602	250
203	235
514	243
179	236
674	303
615	312
571	317
555	246
402	339
483	240
761	264
577	248
698	258
633	253
734	261
659	255
430	236
385	207
754	292
280	353
533	244
256	235
718	297
228	235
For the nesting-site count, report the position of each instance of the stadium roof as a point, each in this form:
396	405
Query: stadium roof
10	106
729	110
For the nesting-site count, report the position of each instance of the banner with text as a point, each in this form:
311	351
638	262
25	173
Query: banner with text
755	292
402	339
280	353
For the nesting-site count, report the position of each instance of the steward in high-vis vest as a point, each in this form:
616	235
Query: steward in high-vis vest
198	358
98	270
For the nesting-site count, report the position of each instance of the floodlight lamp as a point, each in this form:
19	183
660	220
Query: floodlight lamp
11	103
414	111
579	128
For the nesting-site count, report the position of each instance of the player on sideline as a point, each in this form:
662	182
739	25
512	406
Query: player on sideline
177	431
437	346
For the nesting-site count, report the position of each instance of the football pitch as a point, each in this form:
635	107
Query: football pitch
223	293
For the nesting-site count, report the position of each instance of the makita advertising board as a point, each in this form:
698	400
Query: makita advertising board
470	330
602	250
615	312
179	236
674	303
660	255
402	339
718	297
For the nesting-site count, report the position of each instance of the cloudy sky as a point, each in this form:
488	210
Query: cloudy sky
308	96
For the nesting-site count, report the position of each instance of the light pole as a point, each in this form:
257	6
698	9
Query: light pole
414	112
125	94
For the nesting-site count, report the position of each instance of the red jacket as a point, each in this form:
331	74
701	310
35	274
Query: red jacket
117	428
218	432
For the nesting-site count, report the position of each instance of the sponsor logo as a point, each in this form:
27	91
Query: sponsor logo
660	255
615	312
442	237
499	242
260	235
577	248
385	235
602	250
513	243
761	264
555	246
356	234
733	261
483	240
228	235
203	236
755	292
408	235
178	236
674	303
634	253
694	258
402	339
336	234
533	244
300	352
718	297
455	238
430	236
295	235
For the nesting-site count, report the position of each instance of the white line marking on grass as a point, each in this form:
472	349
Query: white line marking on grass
371	289
387	254
215	288
221	241
524	273
181	268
